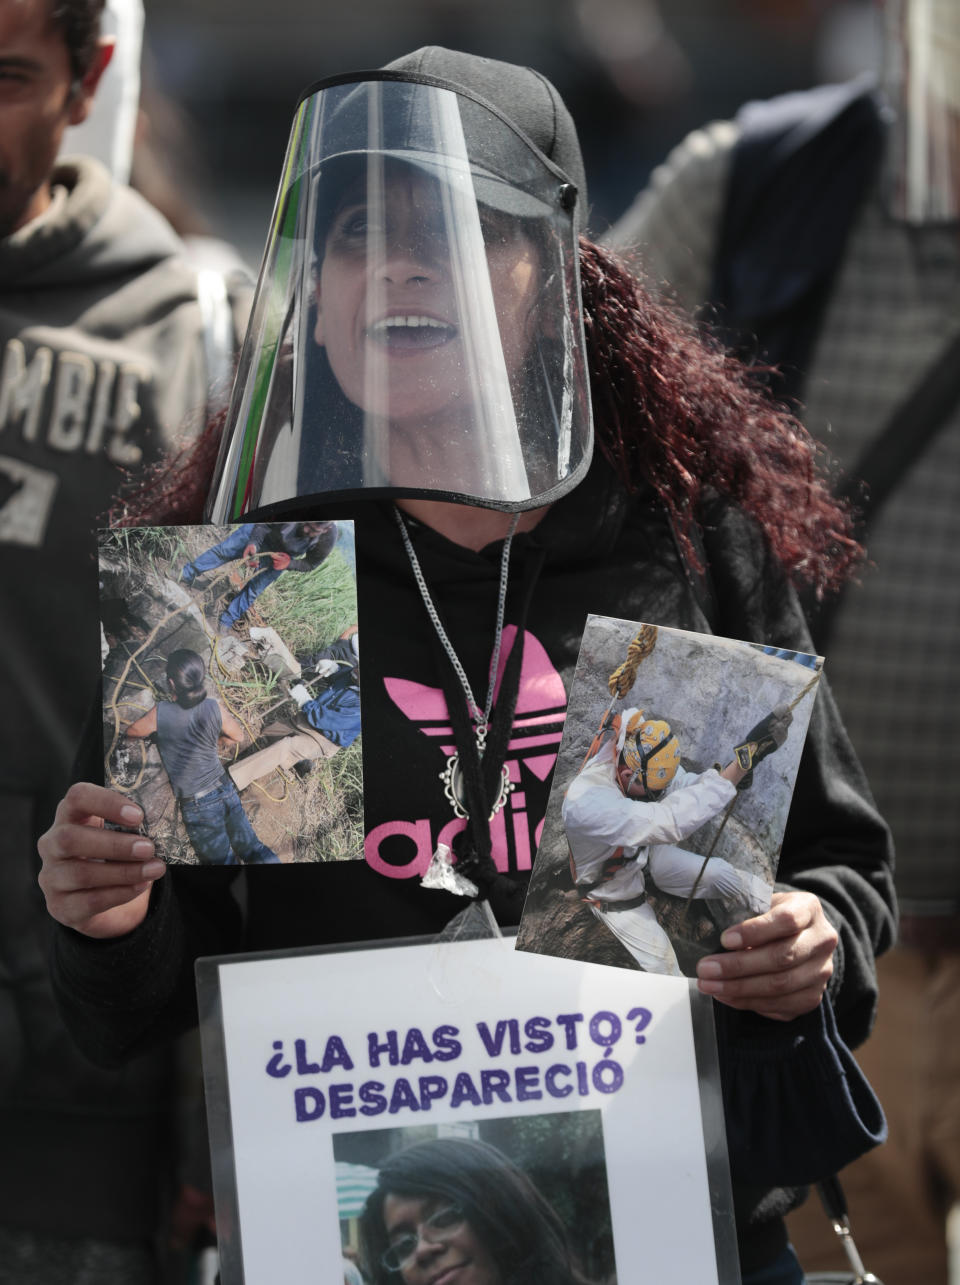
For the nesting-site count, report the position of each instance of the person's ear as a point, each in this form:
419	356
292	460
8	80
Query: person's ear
82	91
318	324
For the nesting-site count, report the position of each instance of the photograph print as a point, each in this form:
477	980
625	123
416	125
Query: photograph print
491	1201
670	796
231	689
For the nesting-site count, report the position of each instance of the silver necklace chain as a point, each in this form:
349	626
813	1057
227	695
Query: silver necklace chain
454	786
480	716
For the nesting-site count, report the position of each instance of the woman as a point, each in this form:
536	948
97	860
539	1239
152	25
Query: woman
188	731
475	574
456	1205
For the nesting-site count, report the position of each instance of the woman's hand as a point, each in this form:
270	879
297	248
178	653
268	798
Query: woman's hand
777	964
96	880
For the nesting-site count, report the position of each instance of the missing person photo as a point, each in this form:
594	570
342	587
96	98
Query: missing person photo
231	689
500	1201
670	798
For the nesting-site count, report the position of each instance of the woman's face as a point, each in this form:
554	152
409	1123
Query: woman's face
442	1255
387	303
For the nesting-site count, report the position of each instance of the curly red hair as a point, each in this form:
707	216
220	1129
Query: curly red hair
670	409
675	410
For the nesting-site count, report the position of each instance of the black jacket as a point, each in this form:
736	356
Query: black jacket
601	553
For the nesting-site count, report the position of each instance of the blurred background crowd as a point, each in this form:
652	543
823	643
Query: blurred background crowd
221	80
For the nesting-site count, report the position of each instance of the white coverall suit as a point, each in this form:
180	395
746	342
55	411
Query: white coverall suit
600	819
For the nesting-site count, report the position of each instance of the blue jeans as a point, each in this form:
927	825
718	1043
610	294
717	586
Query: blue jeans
220	831
785	1270
228	550
251	590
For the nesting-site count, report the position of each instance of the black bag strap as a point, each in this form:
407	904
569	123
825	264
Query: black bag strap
835	1206
911	428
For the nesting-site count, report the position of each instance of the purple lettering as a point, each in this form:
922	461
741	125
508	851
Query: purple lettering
341	1099
371	1095
446	1044
464	1090
539	1036
431	1088
528	1080
309	1103
375	1048
495	1084
569	1023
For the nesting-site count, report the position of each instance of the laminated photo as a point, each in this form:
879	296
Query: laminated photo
231	689
670	796
508	1188
451	1111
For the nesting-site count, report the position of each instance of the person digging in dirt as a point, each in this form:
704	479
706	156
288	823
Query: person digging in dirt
188	729
288	546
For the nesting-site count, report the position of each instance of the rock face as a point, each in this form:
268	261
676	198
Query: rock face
712	691
145	616
270	648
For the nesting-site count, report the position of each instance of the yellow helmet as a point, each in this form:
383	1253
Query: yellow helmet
648	747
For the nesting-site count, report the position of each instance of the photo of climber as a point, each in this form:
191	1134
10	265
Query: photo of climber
231	689
670	798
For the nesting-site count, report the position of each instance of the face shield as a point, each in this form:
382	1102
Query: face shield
922	82
416	328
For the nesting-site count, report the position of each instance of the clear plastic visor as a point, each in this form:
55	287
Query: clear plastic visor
922	83
416	328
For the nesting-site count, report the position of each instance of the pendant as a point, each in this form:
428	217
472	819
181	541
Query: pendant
455	791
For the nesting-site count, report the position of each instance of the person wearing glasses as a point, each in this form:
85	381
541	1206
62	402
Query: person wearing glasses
457	1208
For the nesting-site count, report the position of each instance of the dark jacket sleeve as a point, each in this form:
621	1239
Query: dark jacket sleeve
836	844
119	997
122	995
796	1105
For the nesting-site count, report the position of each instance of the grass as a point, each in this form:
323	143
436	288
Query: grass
324	819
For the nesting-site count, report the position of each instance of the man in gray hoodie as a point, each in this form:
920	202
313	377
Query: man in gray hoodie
110	345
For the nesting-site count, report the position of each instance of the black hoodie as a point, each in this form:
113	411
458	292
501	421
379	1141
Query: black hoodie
596	551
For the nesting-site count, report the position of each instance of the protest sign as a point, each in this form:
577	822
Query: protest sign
598	1087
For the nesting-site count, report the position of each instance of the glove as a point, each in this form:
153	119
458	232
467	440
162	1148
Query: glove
325	667
300	694
768	735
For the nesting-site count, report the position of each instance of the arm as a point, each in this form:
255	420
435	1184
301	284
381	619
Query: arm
231	729
127	929
123	995
596	811
833	911
733	773
339	652
97	880
316	554
127	938
145	725
254	545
